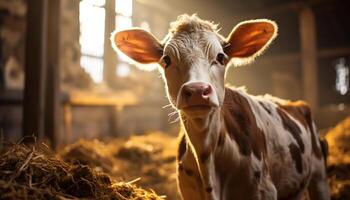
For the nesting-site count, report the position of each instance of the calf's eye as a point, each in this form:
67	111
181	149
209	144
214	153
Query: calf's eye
167	61
221	58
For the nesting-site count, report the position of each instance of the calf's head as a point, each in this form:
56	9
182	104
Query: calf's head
193	57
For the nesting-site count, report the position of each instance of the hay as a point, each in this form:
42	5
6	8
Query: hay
339	160
26	173
150	157
88	152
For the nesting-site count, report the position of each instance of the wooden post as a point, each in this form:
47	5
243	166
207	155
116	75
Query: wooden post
35	65
110	61
52	103
114	119
67	121
309	56
109	57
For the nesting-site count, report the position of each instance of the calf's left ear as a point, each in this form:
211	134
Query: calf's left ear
249	39
139	45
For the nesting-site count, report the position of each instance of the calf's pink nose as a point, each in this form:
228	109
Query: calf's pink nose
196	92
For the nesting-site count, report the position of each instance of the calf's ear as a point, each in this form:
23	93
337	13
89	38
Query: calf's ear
139	45
249	39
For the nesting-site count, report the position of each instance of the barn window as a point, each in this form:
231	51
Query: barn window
342	77
123	20
92	26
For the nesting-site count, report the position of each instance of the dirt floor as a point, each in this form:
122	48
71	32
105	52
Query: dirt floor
110	170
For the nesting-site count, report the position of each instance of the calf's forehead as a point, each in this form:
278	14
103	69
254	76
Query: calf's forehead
187	46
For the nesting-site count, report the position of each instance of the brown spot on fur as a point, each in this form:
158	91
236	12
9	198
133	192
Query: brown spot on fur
314	137
241	124
315	148
182	147
257	175
204	156
324	148
265	108
296	156
299	110
189	172
209	189
302	112
292	127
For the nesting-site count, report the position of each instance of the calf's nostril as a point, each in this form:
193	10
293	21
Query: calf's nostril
206	91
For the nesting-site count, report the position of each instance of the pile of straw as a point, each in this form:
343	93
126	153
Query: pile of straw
28	173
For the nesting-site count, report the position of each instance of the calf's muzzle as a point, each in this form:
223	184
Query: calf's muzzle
195	94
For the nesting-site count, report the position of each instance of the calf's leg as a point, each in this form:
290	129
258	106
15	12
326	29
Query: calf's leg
318	188
189	185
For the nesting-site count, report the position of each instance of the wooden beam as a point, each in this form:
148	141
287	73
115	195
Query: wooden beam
109	57
334	52
120	99
309	56
277	59
52	103
271	10
35	65
293	6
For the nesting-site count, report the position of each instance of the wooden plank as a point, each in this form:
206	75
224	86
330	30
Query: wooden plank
121	98
309	56
11	97
35	65
52	104
113	102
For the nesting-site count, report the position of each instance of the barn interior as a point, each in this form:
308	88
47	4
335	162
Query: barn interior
78	105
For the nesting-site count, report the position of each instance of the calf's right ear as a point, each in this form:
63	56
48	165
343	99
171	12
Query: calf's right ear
139	45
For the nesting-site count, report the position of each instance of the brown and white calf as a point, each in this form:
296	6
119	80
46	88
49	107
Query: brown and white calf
234	145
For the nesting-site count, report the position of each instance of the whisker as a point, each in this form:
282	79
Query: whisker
176	120
166	106
172	113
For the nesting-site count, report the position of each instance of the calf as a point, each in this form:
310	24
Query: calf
233	145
